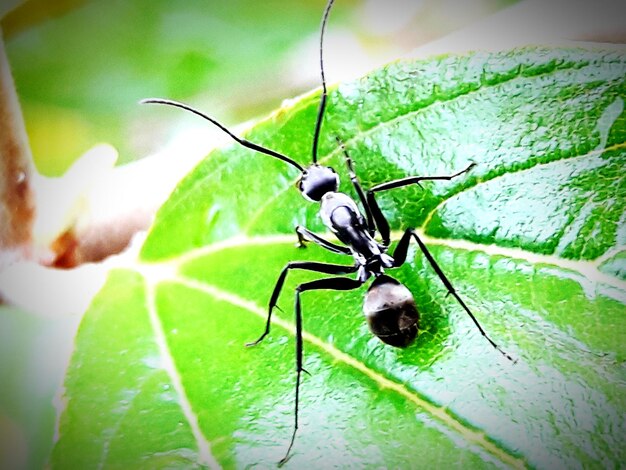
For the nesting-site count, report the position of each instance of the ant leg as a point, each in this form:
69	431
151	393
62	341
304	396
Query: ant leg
359	190
325	268
379	217
417	179
381	221
399	256
305	235
332	283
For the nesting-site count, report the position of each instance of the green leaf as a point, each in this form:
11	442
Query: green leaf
532	238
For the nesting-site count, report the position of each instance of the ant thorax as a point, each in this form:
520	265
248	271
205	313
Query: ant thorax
338	210
341	215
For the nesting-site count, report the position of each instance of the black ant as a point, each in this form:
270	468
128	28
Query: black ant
389	305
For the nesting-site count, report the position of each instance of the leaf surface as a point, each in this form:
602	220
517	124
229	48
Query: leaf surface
532	238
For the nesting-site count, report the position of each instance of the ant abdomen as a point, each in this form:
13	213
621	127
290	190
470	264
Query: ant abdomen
390	311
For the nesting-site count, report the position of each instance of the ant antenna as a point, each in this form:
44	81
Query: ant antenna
322	107
244	142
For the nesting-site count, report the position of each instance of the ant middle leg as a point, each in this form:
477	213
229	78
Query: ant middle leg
325	268
399	257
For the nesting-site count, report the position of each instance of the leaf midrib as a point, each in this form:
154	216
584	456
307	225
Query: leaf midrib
587	268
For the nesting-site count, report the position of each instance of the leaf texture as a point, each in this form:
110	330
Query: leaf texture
532	238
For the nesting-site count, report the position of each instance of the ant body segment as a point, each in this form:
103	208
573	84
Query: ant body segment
389	306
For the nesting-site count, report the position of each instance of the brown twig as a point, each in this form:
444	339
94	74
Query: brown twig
16	198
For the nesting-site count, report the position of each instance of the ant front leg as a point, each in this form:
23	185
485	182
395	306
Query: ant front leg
305	235
371	228
325	268
381	221
332	283
399	257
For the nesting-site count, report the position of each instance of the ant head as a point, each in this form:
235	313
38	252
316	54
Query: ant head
317	180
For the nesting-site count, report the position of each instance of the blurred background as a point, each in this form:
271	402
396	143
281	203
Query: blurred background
81	66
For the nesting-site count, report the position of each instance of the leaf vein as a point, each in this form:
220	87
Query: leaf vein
588	269
592	153
204	447
476	437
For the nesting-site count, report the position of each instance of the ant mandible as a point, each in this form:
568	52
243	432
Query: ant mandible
389	305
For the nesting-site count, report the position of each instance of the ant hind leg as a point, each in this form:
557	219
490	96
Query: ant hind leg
399	257
330	283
